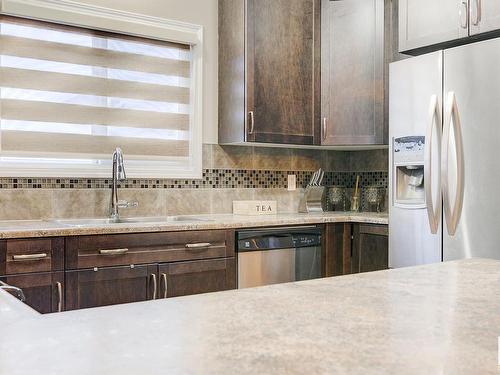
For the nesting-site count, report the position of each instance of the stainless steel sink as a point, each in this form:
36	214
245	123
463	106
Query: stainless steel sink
129	220
188	218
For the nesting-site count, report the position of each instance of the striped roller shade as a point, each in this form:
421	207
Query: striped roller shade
70	93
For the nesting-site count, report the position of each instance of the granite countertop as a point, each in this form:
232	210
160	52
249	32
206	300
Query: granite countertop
436	319
49	228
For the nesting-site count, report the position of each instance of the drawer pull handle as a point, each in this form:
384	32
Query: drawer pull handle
153	276
113	252
200	245
165	284
59	296
29	257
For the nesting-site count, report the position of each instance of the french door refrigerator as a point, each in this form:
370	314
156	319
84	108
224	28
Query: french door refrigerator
444	129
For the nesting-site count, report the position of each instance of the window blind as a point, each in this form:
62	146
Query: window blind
69	96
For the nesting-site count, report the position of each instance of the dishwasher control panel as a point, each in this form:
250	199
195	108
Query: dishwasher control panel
278	239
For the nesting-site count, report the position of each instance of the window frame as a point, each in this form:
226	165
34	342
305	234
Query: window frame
126	23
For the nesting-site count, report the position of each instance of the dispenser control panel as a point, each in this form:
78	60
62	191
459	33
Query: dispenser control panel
409	149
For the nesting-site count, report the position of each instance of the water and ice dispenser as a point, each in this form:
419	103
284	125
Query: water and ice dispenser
408	159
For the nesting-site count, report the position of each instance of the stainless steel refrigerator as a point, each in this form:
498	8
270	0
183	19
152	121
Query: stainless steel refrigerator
444	129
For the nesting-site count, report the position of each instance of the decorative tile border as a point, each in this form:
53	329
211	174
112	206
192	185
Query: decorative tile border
212	178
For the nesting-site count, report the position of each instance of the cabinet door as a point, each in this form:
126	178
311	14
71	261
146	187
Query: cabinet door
337	249
110	286
283	71
484	16
203	276
352	72
423	23
370	248
44	292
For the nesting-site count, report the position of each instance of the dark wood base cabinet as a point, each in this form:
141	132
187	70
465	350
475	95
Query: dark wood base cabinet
44	292
109	286
370	249
116	285
203	276
354	248
124	268
101	270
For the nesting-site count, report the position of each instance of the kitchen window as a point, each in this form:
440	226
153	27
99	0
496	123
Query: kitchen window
70	95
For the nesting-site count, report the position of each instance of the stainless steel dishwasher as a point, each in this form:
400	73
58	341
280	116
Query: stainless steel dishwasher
278	255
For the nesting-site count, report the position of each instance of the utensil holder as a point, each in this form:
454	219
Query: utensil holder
355	202
312	201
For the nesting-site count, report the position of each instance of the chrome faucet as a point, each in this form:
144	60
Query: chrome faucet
118	176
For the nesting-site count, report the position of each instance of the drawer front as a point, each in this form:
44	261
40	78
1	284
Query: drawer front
142	248
195	277
31	255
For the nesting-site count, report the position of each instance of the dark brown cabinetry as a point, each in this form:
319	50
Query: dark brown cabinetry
370	248
98	270
110	286
44	292
269	71
142	248
195	277
353	73
35	266
31	255
354	248
178	263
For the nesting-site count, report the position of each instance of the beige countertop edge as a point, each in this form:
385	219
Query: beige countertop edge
34	229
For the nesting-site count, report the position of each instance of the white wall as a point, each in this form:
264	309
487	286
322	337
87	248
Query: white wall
201	12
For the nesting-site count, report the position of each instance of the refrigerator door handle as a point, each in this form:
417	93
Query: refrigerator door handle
452	116
433	214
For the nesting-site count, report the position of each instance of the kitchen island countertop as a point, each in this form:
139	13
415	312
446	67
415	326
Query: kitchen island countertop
436	319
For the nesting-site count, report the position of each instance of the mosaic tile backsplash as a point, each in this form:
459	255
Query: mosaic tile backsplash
212	178
229	173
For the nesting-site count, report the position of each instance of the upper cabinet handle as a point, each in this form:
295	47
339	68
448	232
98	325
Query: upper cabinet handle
475	13
24	257
452	116
464	17
434	123
198	245
251	122
325	127
113	251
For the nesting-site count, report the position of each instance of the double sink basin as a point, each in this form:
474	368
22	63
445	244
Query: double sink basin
129	220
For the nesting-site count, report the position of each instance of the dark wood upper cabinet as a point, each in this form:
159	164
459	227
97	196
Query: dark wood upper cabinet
355	36
110	286
195	277
269	71
370	248
44	292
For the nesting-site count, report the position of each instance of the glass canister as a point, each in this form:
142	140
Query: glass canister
337	197
374	196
